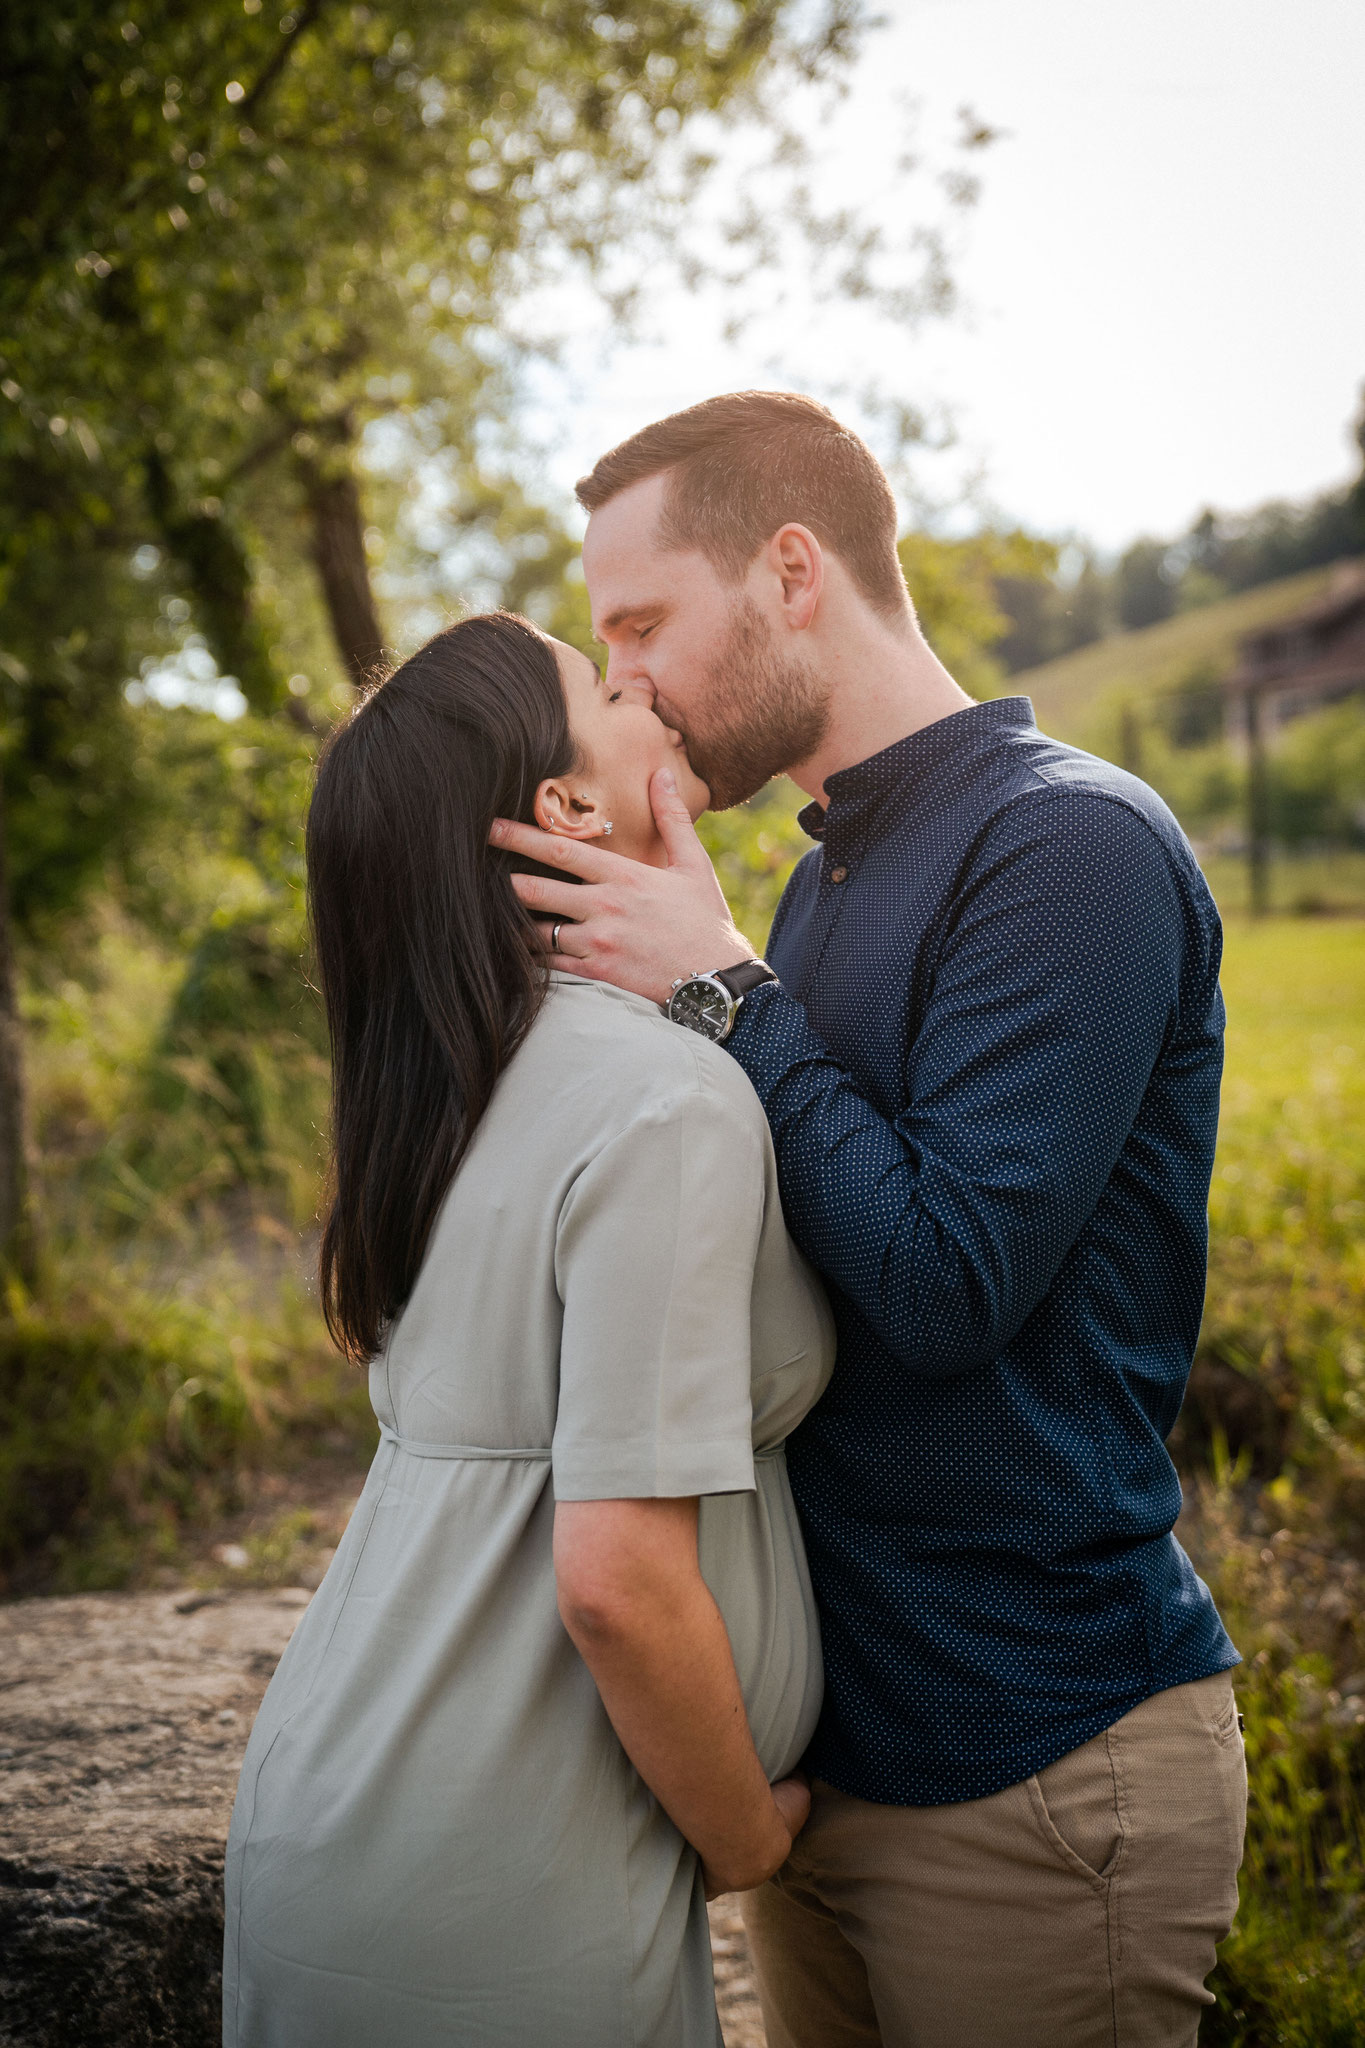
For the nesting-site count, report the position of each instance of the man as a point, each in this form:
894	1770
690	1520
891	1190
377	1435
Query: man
989	1050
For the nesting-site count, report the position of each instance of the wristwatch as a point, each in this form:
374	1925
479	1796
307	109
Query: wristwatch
709	1003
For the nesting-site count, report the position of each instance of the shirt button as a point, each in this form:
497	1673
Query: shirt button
838	874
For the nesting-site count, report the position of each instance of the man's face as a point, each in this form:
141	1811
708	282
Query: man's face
703	650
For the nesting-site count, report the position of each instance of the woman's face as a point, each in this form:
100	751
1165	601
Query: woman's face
621	743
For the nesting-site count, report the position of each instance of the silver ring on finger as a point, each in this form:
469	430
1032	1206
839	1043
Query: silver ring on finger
555	930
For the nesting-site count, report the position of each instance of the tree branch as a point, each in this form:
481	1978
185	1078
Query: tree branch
261	453
339	555
306	16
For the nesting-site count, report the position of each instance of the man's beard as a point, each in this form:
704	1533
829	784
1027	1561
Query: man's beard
755	716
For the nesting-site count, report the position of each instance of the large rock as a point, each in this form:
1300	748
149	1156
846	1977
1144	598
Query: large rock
122	1725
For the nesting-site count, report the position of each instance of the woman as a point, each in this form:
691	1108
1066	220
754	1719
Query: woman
537	1705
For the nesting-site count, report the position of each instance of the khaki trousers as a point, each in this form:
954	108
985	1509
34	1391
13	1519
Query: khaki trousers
1080	1909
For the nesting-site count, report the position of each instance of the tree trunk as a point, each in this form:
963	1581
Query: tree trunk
1258	808
219	576
16	1222
339	554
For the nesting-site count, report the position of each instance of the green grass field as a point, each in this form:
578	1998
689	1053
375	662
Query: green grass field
1286	1298
1295	993
1277	1520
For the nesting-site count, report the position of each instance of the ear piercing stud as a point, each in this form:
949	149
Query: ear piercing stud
605	830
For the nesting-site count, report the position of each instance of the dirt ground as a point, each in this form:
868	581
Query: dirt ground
123	1718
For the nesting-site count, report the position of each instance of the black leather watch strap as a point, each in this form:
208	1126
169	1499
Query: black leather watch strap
748	975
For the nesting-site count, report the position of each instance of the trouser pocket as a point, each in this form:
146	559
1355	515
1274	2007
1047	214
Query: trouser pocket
1078	1806
1226	1722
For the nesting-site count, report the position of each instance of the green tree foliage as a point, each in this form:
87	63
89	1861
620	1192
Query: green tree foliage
956	587
1195	710
1145	588
1051	616
474	539
235	237
1317	779
1224	553
235	229
66	638
218	572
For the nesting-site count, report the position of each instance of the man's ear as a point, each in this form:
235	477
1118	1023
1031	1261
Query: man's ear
567	807
798	560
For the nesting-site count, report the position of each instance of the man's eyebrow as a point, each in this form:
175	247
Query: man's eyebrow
632	611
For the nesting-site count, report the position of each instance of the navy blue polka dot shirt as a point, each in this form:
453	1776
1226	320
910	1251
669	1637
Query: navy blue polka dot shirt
991	1071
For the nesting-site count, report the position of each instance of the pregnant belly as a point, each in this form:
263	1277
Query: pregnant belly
754	1561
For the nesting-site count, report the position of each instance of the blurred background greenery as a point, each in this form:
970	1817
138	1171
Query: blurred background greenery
262	416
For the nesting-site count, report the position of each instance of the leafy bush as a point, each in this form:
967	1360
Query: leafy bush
1318	778
235	1089
128	1408
1194	712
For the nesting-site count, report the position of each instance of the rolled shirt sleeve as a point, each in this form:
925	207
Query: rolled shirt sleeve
654	1263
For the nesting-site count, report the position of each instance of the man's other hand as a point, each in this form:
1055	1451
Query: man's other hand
640	927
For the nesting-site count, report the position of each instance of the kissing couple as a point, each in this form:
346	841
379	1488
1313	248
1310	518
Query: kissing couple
773	1359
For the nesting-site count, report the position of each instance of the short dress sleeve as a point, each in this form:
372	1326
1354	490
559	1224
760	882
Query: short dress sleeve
654	1262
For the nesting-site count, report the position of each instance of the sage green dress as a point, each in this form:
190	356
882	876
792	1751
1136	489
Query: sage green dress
438	1837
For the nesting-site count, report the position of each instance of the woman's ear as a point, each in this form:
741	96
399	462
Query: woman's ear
567	806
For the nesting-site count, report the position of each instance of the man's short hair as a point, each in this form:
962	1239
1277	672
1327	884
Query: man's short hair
745	464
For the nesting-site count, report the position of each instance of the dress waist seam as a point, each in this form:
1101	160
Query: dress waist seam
422	1447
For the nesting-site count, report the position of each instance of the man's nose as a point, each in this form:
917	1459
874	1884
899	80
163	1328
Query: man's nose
626	673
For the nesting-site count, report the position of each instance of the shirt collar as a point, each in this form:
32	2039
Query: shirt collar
855	794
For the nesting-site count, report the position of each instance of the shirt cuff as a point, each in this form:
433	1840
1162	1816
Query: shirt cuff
771	1035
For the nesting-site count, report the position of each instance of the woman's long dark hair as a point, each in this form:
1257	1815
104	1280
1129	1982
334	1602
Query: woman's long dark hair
430	967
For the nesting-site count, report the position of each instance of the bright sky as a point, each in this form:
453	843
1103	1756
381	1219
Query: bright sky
1165	276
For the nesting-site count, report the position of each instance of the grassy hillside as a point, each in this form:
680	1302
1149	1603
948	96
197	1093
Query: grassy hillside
1079	697
1275	1519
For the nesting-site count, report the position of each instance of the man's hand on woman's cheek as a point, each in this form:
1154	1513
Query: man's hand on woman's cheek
617	920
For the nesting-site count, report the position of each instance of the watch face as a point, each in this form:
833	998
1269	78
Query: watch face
701	1006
